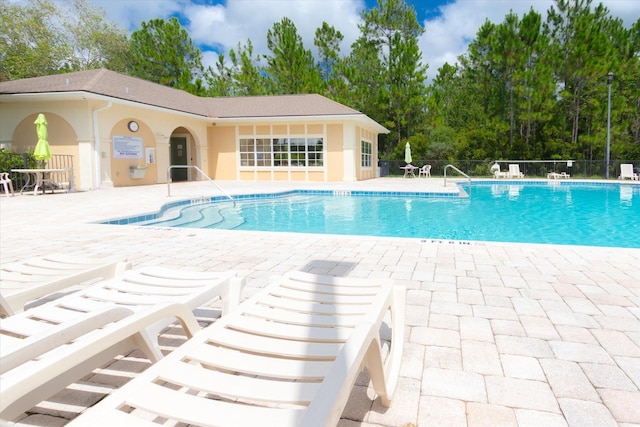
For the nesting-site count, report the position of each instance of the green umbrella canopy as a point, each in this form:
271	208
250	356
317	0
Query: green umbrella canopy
407	153
42	151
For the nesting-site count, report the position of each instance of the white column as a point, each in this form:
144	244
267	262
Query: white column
349	152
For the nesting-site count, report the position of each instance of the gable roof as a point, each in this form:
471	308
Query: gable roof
120	86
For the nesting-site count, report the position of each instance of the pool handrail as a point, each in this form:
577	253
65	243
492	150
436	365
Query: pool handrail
199	170
459	171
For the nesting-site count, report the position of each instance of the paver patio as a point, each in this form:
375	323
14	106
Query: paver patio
497	333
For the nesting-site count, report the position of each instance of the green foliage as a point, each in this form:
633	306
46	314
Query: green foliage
43	37
10	160
241	77
163	52
391	30
526	88
290	68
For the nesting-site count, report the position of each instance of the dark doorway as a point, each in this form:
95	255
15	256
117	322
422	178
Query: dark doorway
178	157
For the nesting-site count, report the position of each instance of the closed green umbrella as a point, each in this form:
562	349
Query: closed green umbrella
42	151
407	153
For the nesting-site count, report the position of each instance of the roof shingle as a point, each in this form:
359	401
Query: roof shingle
119	86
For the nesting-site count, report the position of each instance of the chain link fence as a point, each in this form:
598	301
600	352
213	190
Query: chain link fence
588	169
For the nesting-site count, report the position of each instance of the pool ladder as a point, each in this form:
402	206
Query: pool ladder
203	174
459	171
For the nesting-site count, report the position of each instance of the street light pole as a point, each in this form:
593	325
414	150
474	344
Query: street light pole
609	81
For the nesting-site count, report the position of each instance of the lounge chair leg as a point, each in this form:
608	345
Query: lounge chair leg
234	292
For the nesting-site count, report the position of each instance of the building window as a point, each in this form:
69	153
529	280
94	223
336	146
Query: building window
247	152
315	149
298	152
365	149
282	152
263	152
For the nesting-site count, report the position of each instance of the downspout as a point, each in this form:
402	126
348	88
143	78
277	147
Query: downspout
96	144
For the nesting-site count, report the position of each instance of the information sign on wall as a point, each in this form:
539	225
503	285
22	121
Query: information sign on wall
127	147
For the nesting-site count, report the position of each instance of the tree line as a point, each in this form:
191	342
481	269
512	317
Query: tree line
526	88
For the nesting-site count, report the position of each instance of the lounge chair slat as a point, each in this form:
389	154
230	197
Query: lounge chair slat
56	313
303	277
166	282
310	307
275	346
297	318
331	289
209	412
233	386
181	275
119	418
322	298
24	326
255	364
136	296
273	329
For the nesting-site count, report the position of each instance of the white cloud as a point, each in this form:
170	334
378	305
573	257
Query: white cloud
240	21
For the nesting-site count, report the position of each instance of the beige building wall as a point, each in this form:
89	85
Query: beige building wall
224	147
85	127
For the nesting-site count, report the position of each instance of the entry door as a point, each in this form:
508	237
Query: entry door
178	157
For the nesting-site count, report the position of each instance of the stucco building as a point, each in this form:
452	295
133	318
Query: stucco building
124	131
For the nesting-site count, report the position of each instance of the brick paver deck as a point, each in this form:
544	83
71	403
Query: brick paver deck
497	334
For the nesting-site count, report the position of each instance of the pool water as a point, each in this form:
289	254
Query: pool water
595	215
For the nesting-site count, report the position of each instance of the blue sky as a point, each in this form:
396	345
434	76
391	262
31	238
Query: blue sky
219	25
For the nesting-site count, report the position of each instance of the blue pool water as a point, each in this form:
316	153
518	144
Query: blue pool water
571	214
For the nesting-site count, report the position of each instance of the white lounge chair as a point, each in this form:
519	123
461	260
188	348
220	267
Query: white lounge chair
514	171
497	173
626	171
556	175
45	348
289	356
425	171
25	281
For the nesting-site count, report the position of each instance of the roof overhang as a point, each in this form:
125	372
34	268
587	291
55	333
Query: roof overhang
89	96
367	121
85	96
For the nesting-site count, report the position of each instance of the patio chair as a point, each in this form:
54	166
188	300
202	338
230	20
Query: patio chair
289	356
626	171
45	348
514	171
5	181
25	281
425	170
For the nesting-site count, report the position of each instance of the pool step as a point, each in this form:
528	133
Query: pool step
231	218
184	217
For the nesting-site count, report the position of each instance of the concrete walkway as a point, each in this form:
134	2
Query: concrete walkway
497	334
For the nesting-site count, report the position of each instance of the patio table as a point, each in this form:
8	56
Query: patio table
409	170
35	178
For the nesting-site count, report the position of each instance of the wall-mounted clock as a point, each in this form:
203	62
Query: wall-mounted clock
133	126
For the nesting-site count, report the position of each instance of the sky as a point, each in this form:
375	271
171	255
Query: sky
216	26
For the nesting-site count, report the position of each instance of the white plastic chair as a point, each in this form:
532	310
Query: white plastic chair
5	181
626	172
514	171
425	170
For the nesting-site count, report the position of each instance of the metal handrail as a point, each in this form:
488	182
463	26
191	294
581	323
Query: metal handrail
199	170
459	171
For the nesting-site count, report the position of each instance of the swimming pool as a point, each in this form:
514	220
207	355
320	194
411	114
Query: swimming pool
531	212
